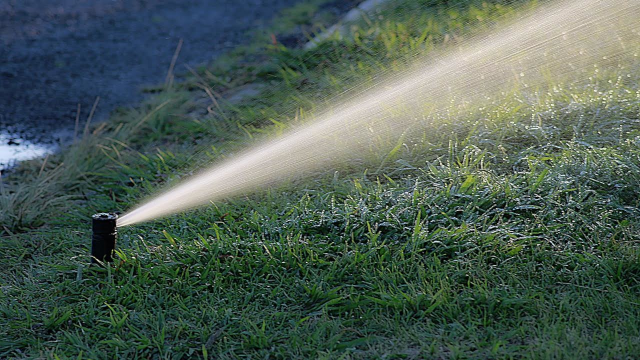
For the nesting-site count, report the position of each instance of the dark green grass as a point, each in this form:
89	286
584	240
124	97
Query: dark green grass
510	232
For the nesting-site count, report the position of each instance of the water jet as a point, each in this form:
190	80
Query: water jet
563	41
103	239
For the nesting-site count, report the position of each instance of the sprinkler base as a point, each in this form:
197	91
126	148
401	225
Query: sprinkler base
103	239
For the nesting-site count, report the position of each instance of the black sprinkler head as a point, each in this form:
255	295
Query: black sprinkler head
103	241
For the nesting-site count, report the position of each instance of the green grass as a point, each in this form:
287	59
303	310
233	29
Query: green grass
510	232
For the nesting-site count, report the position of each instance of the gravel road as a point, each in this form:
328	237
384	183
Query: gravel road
56	54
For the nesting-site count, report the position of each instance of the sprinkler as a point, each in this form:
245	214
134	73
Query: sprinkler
103	240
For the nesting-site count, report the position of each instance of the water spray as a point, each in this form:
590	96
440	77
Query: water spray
566	39
103	239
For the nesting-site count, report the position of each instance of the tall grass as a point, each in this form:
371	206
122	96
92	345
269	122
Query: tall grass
37	189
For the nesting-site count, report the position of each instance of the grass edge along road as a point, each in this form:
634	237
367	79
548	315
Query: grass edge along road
511	232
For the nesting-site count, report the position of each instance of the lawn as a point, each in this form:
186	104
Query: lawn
510	231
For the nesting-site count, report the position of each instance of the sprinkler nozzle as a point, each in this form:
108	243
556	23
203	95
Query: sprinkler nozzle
103	240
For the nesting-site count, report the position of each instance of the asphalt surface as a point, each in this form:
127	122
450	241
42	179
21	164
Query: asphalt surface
56	54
